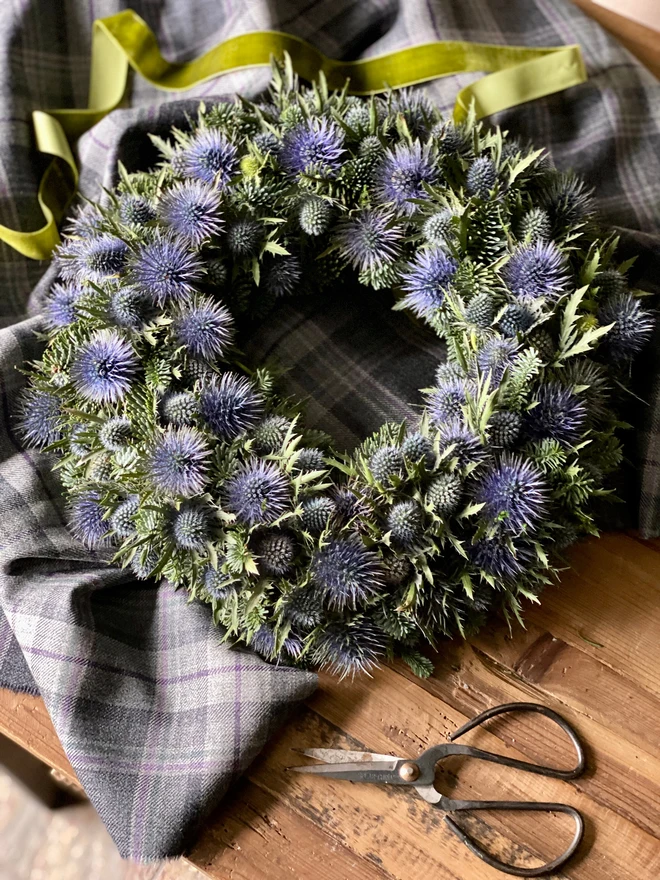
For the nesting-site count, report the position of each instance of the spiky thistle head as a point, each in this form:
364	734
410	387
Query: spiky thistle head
386	463
481	177
303	607
347	648
191	526
177	462
495	357
310	459
179	408
418	447
164	270
115	434
466	447
258	493
122	521
481	310
610	282
558	414
104	367
504	428
317	513
396	569
136	210
438	227
230	405
39	418
514	494
282	275
276	552
446	401
426	280
99	258
444	494
204	327
633	326
406	523
535	270
60	305
314	146
516	318
244	237
451	139
192	210
369	239
500	557
535	225
315	215
128	308
416	109
217	584
402	175
210	157
568	200
144	563
269	435
347	573
86	519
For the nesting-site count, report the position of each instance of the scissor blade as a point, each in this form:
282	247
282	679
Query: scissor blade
342	756
357	771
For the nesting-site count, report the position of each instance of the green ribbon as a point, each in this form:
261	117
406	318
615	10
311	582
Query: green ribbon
119	42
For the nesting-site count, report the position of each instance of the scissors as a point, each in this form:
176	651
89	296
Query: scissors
420	773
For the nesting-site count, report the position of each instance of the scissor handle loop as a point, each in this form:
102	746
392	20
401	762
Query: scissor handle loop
475	848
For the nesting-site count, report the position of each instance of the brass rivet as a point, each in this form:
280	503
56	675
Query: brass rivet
409	771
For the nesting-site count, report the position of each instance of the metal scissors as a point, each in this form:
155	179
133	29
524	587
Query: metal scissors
420	773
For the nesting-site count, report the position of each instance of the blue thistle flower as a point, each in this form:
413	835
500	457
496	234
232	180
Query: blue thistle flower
500	558
610	282
349	648
191	526
144	564
244	237
263	641
481	310
86	520
230	406
405	520
386	463
402	174
369	239
122	521
179	408
481	177
78	443
513	493
204	327
283	275
310	459
128	308
452	139
538	269
504	428
444	494
396	570
495	357
269	435
163	269
104	367
100	257
535	225
415	108
192	210
39	415
465	445
313	145
276	552
417	447
216	273
446	402
347	504
347	573
316	514
135	210
210	157
517	318
559	414
60	305
315	216
426	279
437	227
267	142
115	433
87	223
176	463
217	584
303	607
568	199
258	493
633	326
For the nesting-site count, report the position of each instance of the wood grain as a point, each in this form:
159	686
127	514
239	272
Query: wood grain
640	40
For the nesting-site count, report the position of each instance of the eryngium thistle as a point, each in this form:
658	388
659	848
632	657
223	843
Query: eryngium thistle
258	493
313	145
164	270
633	326
60	305
358	116
86	519
348	648
263	641
210	157
405	521
100	257
315	216
371	148
444	494
115	433
128	307
244	237
144	563
369	239
135	210
316	514
77	443
176	463
217	584
568	199
513	493
538	269
104	367
544	345
535	225
283	275
417	447
426	280
191	527
230	405
276	552
496	557
101	469
310	459
303	607
450	138
179	408
122	521
481	177
504	428
216	272
416	109
386	463
437	227
465	445
610	282
558	414
39	418
269	435
480	310
446	402
267	142
204	327
402	176
396	569
517	318
347	573
192	210
496	356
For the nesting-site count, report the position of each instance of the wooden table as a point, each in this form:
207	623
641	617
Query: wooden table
591	651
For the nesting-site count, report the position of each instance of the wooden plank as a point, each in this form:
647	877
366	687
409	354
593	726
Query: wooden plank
643	42
25	719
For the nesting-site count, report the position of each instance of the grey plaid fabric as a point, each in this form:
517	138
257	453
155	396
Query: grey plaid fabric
155	715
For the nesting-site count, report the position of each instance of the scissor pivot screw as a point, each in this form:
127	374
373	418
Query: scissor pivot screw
409	771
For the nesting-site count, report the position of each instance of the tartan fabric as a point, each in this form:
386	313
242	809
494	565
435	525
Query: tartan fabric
156	717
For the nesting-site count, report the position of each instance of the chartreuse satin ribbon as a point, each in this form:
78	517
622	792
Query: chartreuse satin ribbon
516	74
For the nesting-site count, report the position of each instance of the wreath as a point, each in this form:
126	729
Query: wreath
195	468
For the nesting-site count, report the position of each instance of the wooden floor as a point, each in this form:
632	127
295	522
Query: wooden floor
591	651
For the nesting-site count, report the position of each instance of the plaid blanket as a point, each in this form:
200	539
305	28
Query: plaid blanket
156	716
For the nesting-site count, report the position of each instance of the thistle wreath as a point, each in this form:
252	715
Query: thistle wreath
195	468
